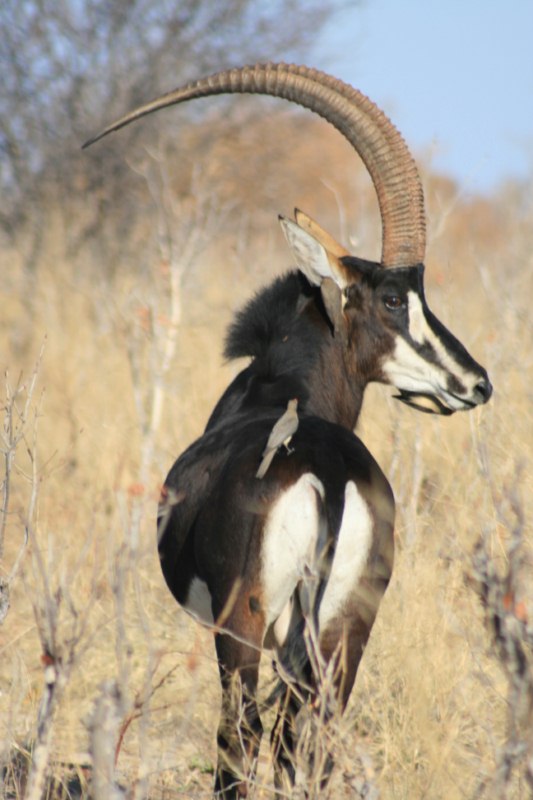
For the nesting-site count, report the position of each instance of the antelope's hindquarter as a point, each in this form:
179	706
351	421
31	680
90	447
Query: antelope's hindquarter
319	524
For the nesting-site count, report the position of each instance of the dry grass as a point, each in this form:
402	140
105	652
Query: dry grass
429	716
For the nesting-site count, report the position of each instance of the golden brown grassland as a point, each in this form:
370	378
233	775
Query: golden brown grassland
117	396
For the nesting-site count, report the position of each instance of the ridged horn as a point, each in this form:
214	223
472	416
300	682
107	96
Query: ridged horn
380	146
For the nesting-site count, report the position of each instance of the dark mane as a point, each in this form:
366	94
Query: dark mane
269	316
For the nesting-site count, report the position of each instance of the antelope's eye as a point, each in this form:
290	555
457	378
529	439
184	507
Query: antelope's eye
393	302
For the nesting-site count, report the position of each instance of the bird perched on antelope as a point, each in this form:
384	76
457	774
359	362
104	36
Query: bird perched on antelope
281	434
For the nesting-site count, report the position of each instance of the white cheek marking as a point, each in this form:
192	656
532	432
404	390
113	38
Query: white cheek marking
289	544
406	369
351	555
198	603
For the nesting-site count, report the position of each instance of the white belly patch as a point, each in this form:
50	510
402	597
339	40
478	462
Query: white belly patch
291	547
351	555
198	603
289	544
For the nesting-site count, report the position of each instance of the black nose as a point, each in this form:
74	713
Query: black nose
483	390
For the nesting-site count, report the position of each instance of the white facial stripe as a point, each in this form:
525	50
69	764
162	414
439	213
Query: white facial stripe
418	326
408	370
468	379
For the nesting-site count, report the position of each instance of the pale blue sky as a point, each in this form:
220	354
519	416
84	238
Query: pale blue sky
456	77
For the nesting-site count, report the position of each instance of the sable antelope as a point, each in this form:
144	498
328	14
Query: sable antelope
300	559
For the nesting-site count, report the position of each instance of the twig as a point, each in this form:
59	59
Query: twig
103	724
507	619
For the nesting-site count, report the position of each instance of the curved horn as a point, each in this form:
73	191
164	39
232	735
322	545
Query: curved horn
382	149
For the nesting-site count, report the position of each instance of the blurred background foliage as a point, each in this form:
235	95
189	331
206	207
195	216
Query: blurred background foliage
70	66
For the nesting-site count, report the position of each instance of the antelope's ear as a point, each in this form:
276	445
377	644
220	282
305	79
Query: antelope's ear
322	236
334	302
314	258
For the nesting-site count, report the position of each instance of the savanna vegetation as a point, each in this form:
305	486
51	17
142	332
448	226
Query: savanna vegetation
121	268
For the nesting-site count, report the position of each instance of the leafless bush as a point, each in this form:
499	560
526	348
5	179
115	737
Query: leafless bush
19	448
62	626
18	452
20	416
505	595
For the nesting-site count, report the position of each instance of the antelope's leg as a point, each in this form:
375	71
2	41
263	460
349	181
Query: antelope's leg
240	729
342	647
283	741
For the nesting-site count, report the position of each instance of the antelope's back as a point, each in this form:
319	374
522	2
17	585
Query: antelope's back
324	507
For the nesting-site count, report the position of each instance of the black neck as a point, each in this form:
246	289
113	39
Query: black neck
295	354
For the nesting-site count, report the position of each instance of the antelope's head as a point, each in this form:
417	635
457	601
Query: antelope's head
389	334
381	305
